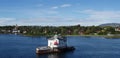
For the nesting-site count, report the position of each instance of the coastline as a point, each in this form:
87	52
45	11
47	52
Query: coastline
106	36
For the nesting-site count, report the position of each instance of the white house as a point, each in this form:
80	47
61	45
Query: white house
15	30
57	41
117	29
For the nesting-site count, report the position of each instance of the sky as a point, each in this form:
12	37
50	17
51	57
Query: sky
59	12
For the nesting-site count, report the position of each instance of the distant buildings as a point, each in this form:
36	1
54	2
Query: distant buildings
117	29
15	30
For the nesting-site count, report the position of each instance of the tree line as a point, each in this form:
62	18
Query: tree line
64	30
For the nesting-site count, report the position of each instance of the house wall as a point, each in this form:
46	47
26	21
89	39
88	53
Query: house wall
51	43
62	43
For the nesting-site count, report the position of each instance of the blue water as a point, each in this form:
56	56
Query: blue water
18	46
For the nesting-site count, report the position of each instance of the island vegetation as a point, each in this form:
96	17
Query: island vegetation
64	30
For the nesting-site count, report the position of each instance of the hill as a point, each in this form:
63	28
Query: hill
110	24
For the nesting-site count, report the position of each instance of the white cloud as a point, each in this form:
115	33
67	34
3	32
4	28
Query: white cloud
103	14
66	5
29	21
61	6
5	21
113	14
92	17
55	7
2	20
99	17
51	21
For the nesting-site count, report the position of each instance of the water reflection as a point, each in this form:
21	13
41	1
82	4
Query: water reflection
56	55
53	55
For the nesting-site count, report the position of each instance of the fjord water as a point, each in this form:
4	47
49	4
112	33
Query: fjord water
18	46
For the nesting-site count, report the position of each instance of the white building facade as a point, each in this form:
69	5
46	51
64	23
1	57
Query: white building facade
57	41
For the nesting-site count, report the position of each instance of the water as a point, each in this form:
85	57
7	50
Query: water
18	46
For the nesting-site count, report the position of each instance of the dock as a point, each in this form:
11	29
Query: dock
45	50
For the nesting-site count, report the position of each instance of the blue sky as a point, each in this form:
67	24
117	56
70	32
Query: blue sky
59	12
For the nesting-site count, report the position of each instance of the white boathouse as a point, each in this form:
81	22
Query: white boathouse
57	41
56	44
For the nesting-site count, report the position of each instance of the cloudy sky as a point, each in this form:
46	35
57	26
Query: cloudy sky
59	12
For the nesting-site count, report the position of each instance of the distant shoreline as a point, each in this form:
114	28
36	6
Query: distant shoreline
106	36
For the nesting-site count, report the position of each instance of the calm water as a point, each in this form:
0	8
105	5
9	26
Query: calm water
17	46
